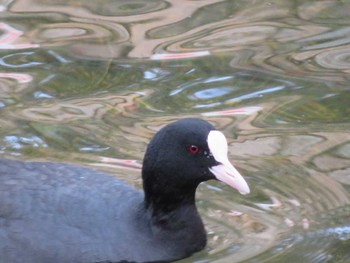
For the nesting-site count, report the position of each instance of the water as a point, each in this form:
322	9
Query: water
90	83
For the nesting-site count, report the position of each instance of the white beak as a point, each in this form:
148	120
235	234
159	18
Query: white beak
225	171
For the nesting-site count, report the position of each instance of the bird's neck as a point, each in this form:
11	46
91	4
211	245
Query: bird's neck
177	226
164	201
172	214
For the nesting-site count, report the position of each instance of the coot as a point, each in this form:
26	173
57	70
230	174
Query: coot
54	212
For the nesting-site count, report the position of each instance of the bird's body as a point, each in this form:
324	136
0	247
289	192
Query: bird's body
45	233
54	212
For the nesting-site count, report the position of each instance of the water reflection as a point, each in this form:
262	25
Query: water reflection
92	82
6	61
20	77
219	26
10	36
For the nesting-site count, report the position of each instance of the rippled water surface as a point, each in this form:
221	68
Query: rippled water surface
90	82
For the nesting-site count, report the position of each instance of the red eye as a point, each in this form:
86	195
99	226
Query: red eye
193	149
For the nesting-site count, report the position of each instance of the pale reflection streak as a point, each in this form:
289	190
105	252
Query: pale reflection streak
77	109
20	77
12	38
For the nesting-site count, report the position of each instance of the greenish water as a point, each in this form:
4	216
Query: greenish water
90	83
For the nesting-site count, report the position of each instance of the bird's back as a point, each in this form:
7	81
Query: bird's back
52	212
